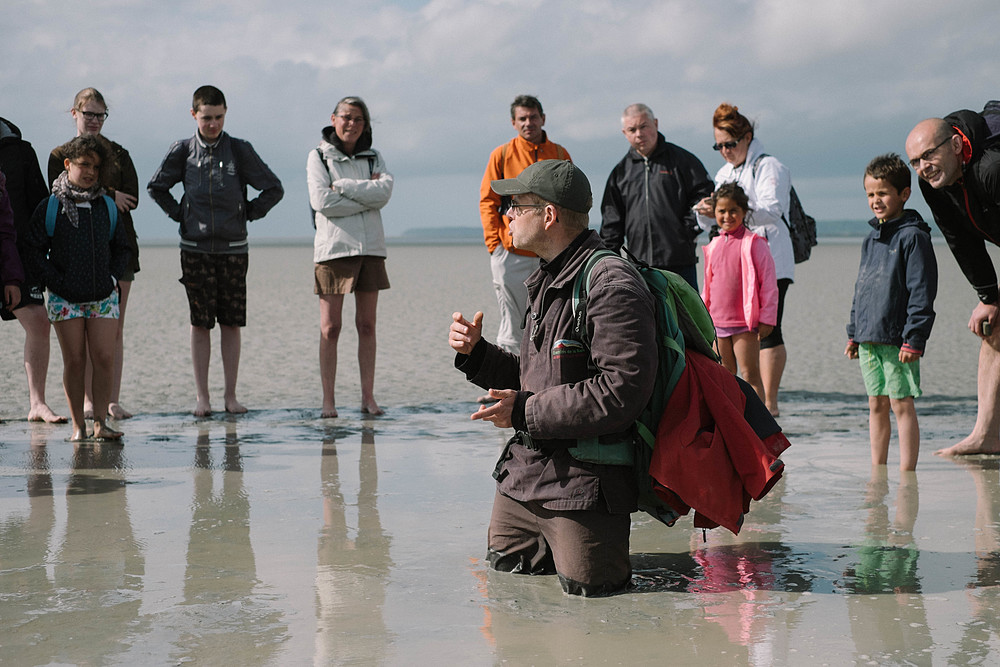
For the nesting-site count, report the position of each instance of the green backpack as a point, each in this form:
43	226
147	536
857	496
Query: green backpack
682	322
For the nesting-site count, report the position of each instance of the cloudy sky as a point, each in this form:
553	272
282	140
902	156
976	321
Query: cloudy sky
830	84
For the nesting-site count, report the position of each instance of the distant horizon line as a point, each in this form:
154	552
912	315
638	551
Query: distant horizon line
469	235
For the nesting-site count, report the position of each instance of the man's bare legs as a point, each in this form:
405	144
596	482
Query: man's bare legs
772	367
330	323
201	355
35	323
365	305
985	436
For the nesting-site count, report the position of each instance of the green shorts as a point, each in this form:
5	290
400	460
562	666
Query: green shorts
885	374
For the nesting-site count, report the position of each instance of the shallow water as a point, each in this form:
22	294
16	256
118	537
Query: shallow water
279	538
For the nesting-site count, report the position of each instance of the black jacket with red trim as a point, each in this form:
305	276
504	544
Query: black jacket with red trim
968	212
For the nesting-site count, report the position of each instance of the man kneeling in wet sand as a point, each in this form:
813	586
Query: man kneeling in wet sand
959	174
556	510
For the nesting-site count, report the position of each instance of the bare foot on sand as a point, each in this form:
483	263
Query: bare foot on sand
972	445
329	412
371	408
234	407
105	433
116	411
43	413
203	408
79	436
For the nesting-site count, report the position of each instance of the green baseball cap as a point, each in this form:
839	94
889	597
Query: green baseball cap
558	181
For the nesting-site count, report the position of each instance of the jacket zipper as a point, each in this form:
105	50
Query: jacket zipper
211	193
968	210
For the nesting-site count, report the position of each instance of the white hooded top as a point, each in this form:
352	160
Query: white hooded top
348	222
768	193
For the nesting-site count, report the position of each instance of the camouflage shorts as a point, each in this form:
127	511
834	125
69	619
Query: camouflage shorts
216	288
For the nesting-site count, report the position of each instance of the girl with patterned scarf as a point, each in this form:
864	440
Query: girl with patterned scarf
80	260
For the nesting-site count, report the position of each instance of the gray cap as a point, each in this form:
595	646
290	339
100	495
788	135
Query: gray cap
557	181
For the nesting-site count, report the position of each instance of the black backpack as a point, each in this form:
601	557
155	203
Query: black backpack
991	112
801	225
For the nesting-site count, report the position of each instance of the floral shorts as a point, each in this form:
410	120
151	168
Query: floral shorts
59	309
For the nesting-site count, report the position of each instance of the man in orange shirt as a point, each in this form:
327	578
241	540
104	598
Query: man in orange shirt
510	266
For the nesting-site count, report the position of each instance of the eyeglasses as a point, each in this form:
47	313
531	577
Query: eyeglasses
352	119
90	115
727	144
926	155
511	211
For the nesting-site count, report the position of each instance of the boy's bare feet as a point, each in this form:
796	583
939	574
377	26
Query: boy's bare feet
328	412
104	432
371	408
234	407
79	436
43	413
973	444
202	408
116	411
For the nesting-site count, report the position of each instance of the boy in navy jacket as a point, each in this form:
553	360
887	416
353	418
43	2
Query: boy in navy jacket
893	308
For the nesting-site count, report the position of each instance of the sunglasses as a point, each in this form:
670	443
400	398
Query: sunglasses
727	144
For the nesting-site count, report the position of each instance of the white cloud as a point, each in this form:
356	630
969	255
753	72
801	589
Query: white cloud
830	84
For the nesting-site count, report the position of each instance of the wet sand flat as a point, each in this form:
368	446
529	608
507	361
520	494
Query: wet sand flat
279	538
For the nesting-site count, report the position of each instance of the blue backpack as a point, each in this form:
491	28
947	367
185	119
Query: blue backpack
52	208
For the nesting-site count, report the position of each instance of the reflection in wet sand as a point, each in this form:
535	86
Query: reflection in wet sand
262	540
24	542
981	633
887	615
97	563
227	622
353	565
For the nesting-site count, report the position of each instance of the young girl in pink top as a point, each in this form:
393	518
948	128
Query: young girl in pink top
741	290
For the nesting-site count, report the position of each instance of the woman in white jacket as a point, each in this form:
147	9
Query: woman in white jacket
767	183
348	185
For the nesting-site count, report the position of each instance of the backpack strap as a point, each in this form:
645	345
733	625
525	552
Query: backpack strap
753	172
756	161
52	209
581	290
112	215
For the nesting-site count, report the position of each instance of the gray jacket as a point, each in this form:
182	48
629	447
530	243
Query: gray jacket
214	210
